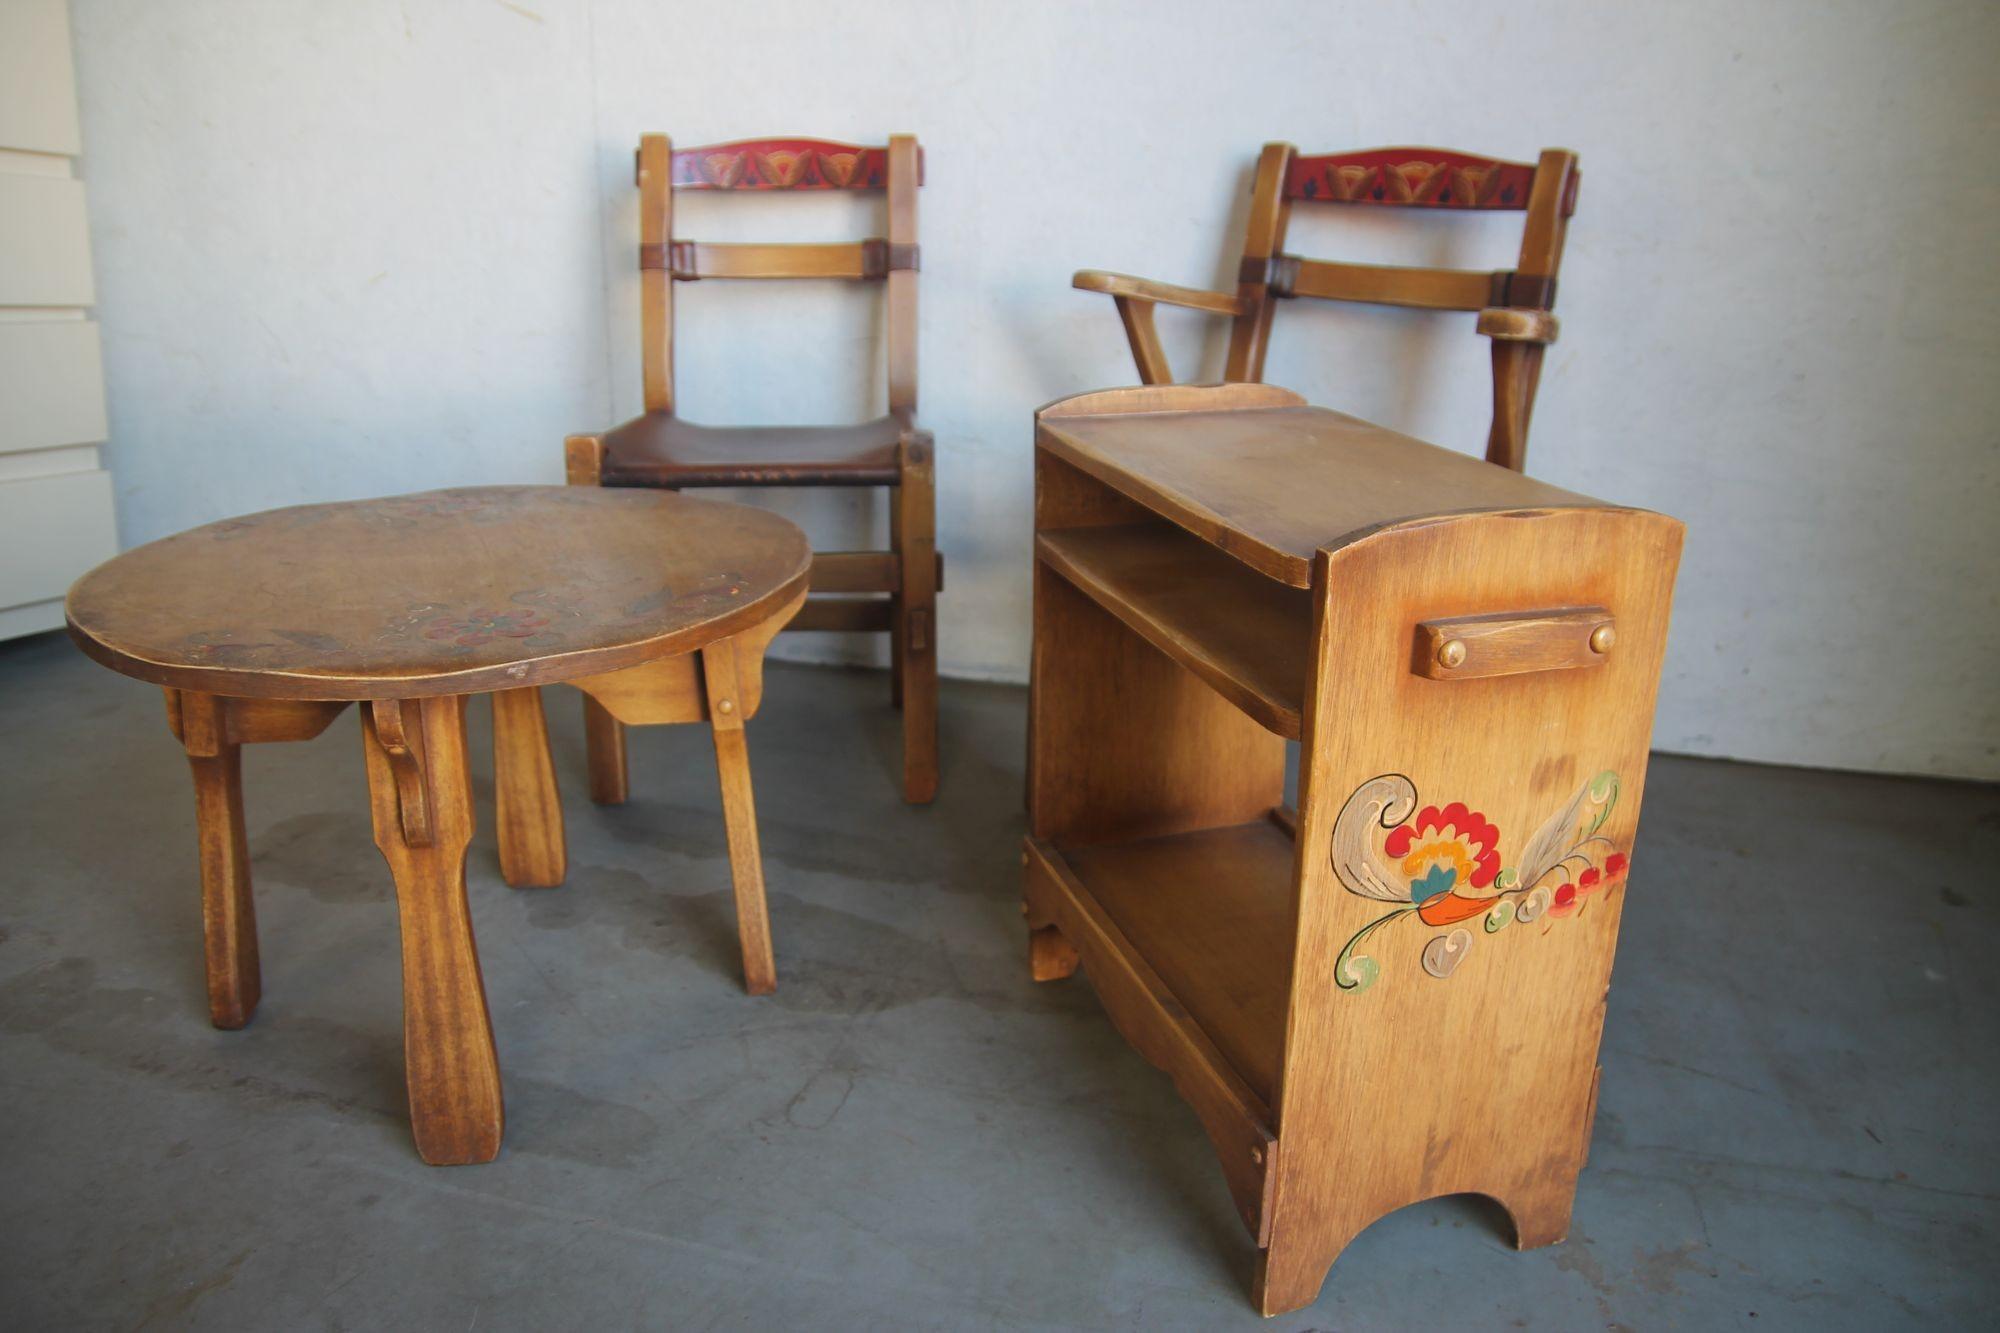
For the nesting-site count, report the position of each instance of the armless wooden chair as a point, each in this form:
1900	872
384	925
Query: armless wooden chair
663	449
1513	305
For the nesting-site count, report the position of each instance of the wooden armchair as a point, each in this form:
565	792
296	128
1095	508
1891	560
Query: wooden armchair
1513	306
900	585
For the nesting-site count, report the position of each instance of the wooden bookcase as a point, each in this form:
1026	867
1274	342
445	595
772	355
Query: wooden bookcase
1396	992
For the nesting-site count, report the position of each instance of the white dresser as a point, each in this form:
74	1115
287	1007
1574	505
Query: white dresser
55	498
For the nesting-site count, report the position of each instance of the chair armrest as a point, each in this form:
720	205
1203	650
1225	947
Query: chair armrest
1506	324
1127	287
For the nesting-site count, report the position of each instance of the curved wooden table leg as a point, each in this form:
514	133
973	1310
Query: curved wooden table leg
228	912
604	745
722	679
421	799
527	805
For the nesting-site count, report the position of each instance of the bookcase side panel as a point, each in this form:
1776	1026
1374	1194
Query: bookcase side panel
1463	851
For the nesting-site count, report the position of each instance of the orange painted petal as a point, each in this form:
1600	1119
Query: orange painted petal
1446	908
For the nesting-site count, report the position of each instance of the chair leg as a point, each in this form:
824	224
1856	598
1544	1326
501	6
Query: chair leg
739	815
228	911
604	745
916	621
896	605
527	805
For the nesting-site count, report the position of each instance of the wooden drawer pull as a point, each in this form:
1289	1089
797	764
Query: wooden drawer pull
1507	644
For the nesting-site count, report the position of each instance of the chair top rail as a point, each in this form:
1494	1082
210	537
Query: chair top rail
783	164
1413	178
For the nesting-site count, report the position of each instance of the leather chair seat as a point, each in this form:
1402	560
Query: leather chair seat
663	450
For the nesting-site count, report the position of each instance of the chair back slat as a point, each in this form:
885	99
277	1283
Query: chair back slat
689	261
778	165
1383	284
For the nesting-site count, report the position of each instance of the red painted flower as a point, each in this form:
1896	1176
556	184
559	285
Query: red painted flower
1440	850
1444	853
484	626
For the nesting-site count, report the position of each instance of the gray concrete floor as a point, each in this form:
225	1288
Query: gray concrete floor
1797	1125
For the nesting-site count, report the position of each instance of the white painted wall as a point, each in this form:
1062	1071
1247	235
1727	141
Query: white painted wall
355	248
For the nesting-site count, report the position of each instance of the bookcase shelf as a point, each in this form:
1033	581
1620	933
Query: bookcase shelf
1212	912
1248	636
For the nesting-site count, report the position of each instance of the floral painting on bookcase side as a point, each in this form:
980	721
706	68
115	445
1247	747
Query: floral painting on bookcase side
1442	867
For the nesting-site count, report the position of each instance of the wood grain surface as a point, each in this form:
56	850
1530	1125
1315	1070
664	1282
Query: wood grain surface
1397	991
444	592
1272	486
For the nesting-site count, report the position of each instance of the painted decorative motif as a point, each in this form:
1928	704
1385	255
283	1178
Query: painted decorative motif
529	620
780	164
1411	178
1442	865
483	626
544	617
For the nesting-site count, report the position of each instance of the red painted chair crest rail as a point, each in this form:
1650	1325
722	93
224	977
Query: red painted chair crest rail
1412	178
783	164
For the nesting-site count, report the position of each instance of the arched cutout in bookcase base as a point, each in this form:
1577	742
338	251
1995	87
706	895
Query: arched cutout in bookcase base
1292	1274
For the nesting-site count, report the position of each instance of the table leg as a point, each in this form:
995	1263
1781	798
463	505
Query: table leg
721	680
228	912
604	746
527	806
420	797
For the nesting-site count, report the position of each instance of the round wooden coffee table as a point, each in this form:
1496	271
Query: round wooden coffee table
264	628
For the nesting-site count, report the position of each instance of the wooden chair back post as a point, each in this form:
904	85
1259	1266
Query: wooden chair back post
1517	364
656	284
902	281
1263	239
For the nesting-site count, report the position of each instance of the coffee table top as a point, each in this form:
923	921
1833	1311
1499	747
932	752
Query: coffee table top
444	592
